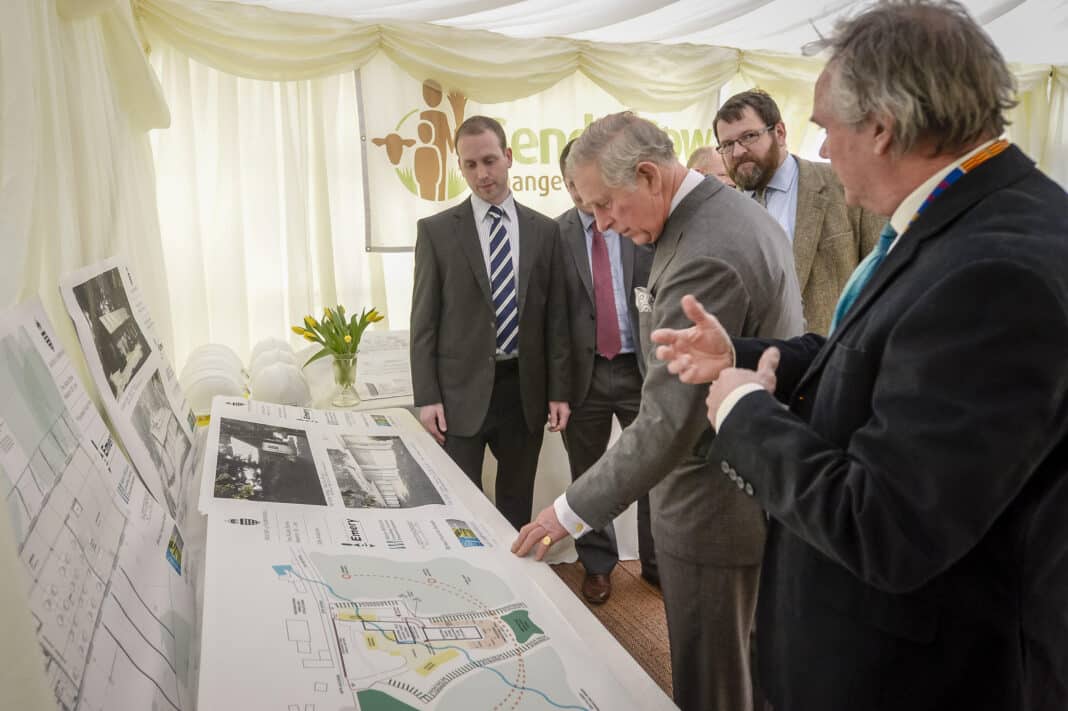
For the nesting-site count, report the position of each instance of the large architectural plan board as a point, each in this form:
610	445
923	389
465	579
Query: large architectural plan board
104	568
134	378
370	585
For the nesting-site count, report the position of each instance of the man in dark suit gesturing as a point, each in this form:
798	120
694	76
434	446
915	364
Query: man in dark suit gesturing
917	481
601	273
709	535
489	340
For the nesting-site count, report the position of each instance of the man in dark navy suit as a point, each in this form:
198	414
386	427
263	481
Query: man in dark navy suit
914	463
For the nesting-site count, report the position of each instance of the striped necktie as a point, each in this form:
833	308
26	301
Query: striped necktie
502	283
862	274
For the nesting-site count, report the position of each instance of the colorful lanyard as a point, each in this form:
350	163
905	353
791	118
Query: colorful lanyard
954	175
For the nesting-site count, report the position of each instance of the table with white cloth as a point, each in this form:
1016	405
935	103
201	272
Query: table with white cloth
553	475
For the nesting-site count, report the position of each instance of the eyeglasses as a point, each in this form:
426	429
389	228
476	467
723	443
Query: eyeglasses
746	139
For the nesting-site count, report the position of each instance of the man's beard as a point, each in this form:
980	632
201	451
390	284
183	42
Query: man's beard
759	172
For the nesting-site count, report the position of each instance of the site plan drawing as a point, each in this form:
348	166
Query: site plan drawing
106	577
338	630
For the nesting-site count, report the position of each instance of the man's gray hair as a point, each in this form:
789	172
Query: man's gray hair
926	64
617	143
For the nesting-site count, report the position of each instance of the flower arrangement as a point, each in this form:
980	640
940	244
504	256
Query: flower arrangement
338	335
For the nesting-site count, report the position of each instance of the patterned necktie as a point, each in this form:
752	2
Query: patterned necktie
761	196
862	274
608	339
502	283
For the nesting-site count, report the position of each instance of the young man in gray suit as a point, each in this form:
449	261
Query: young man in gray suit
601	273
490	350
805	198
714	241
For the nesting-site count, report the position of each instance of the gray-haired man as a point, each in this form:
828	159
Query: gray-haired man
709	533
917	554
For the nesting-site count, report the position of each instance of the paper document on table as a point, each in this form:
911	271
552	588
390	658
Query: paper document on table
108	580
134	377
383	341
343	628
260	456
384	374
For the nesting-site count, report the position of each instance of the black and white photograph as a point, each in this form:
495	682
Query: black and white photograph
163	437
120	344
258	462
380	472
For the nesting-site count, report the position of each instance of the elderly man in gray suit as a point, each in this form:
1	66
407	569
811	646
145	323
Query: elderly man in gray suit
829	237
709	534
489	342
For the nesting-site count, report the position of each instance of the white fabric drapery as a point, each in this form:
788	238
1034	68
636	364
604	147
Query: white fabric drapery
76	177
259	196
76	96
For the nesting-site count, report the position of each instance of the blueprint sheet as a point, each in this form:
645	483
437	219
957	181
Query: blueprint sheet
105	573
343	571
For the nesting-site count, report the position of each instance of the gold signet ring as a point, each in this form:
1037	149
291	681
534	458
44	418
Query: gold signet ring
547	541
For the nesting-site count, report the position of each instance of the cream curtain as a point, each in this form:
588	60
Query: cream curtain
259	179
260	199
254	42
77	182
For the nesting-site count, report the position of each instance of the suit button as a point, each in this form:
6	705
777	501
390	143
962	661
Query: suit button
740	483
732	474
749	489
724	467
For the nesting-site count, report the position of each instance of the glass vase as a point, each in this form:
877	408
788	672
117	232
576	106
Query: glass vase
345	378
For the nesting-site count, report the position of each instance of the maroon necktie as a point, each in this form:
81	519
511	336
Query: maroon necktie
608	341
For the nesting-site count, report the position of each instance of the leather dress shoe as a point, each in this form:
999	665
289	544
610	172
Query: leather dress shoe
596	588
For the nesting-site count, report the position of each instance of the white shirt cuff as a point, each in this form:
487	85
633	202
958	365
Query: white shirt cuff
729	402
568	518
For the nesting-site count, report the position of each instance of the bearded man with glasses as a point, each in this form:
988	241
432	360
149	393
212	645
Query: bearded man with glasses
806	199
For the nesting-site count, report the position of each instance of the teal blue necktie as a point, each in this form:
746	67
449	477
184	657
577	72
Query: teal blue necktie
862	274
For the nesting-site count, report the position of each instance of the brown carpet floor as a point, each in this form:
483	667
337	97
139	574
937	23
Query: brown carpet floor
634	614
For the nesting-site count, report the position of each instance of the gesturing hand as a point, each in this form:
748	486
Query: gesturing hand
699	353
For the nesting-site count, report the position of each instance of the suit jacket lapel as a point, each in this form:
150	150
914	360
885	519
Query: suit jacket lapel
467	236
528	251
576	242
808	223
665	246
970	189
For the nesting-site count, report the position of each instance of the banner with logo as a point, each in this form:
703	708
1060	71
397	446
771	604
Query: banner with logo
412	167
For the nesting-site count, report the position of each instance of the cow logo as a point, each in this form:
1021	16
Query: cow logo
421	149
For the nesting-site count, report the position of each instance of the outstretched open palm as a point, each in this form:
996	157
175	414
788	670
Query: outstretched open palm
696	354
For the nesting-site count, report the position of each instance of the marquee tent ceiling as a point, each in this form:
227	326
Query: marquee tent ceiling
1029	31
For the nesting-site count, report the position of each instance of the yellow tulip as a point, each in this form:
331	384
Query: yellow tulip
298	330
310	322
348	338
309	336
